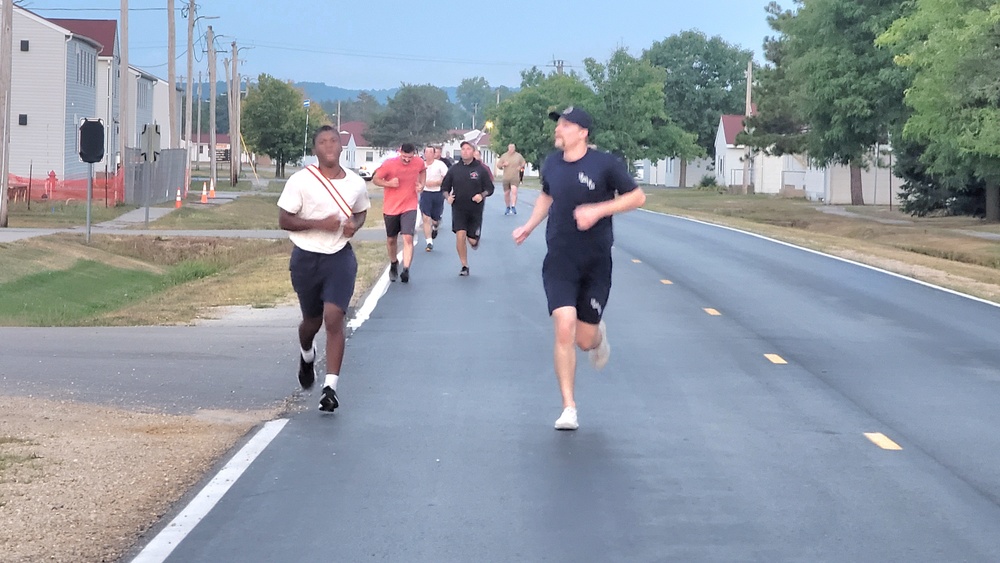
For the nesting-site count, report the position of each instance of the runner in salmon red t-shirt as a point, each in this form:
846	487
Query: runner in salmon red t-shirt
402	178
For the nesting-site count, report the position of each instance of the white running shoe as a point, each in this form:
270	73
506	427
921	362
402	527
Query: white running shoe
567	421
599	356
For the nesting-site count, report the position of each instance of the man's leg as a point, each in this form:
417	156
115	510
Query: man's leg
506	196
392	247
565	323
463	251
588	336
513	197
427	227
333	318
407	251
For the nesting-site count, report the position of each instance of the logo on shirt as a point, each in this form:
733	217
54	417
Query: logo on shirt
474	175
586	181
596	306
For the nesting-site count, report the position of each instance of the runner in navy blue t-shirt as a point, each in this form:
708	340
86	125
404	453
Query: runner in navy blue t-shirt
581	189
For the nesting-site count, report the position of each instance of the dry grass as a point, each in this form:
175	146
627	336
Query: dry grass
58	214
929	249
246	272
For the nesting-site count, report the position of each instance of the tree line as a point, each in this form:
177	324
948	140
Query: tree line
844	76
840	78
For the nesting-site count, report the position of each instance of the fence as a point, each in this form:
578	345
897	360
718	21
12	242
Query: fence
158	181
154	182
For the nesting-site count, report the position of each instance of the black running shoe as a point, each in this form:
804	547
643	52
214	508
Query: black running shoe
434	232
328	402
430	247
307	372
392	271
464	271
404	276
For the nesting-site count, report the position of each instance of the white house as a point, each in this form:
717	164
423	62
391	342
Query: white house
104	32
797	174
54	87
667	172
453	147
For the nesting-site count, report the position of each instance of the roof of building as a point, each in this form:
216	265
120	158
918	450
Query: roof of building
101	31
732	125
356	128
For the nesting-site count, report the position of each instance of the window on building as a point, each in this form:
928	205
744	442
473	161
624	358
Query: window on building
24	45
22	119
369	156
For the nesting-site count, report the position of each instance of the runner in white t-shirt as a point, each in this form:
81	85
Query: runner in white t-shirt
322	207
431	200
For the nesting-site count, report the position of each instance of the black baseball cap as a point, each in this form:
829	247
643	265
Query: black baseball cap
463	143
573	115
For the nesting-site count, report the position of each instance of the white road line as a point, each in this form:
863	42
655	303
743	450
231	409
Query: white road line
817	252
164	543
365	311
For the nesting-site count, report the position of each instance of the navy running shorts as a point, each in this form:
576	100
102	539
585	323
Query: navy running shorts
323	278
468	218
432	204
581	282
403	223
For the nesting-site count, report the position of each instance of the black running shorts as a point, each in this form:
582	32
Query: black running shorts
468	218
572	281
323	278
403	223
432	204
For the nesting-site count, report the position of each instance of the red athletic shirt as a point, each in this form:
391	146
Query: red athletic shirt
397	201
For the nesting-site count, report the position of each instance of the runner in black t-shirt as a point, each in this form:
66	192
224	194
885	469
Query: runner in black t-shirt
579	189
466	186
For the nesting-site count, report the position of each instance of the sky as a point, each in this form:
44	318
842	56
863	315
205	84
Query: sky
369	45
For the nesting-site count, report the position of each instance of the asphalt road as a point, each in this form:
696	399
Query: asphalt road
693	445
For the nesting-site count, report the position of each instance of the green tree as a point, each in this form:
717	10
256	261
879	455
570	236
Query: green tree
475	96
778	127
274	121
522	119
629	113
531	77
364	108
416	114
705	78
950	46
846	88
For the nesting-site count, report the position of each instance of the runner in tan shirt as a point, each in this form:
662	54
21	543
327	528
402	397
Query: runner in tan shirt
511	163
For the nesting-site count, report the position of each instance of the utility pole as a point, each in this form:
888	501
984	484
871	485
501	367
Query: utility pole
234	119
188	107
213	166
6	58
197	150
172	74
123	89
747	157
6	61
227	66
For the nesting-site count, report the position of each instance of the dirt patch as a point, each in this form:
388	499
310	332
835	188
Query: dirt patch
83	482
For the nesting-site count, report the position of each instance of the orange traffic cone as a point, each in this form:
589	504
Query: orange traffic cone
204	194
211	190
177	202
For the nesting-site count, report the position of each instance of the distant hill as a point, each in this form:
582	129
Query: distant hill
320	92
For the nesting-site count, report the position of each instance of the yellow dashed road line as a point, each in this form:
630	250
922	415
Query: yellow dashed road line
882	441
713	312
775	359
666	282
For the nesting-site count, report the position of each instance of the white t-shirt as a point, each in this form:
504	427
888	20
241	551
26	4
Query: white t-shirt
435	173
305	195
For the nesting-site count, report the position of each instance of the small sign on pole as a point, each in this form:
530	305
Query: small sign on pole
91	145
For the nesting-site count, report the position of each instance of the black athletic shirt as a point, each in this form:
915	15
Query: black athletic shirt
596	177
467	180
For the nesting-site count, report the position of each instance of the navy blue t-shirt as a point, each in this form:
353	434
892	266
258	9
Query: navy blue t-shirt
596	177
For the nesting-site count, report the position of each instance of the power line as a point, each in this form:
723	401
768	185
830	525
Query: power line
388	56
